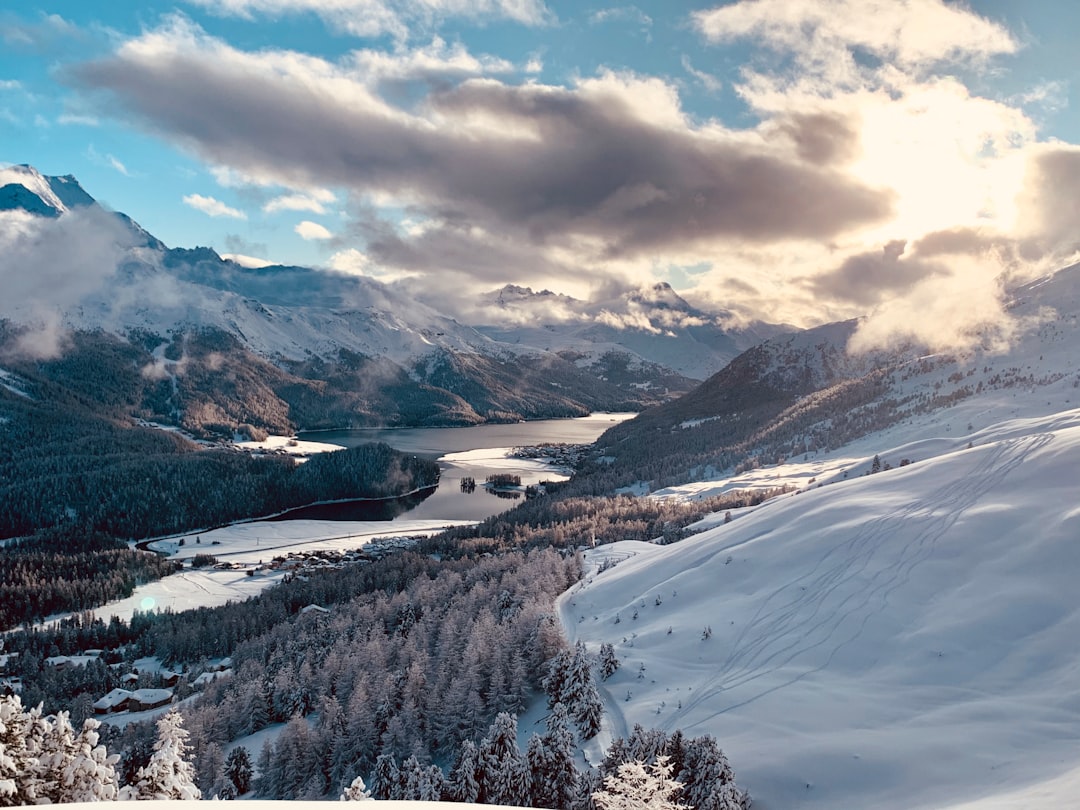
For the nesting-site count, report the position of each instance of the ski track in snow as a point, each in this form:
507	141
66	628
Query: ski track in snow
828	607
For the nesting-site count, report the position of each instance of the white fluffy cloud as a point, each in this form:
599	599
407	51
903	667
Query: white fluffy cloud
212	206
309	231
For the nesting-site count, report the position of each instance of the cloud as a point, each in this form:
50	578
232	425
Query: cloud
631	14
372	18
49	265
308	231
706	80
212	207
906	32
74	119
864	175
313	201
611	163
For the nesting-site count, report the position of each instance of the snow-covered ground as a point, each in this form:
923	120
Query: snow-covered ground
245	545
900	640
290	445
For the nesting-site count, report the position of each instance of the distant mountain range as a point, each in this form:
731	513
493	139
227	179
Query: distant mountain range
283	347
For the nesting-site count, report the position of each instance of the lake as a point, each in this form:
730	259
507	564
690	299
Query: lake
474	452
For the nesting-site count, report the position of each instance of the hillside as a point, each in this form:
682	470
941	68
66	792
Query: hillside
796	395
903	640
285	348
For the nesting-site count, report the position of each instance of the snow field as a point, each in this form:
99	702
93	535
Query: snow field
903	640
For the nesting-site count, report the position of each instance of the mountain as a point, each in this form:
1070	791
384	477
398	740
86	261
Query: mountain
867	628
898	630
40	193
282	348
653	324
800	393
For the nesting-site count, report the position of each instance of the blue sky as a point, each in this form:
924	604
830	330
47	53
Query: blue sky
785	159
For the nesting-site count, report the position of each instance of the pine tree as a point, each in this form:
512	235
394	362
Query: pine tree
22	736
560	776
90	774
267	784
635	787
463	785
356	791
608	662
238	769
168	775
504	774
384	782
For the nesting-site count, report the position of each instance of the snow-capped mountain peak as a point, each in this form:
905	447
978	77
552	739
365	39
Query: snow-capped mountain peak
60	194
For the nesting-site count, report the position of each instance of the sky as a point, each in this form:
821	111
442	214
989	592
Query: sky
795	161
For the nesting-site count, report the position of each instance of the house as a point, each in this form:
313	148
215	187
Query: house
169	678
318	610
210	677
115	701
143	699
130	679
224	663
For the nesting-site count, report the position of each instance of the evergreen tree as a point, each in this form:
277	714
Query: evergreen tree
21	742
267	782
356	791
608	662
463	785
635	787
504	774
384	782
90	775
555	783
238	769
168	775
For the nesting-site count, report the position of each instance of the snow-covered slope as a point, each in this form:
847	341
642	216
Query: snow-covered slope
900	640
58	193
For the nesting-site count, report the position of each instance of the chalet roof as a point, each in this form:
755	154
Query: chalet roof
112	699
152	695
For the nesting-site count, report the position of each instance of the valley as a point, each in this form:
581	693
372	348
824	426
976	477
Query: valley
829	577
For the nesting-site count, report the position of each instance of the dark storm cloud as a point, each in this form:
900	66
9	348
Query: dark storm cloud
868	278
547	164
821	138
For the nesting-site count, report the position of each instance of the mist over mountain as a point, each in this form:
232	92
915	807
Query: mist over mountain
329	348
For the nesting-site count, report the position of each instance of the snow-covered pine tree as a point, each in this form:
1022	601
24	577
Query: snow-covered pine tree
559	781
384	782
22	735
608	662
707	775
238	769
504	774
168	775
554	683
90	774
463	785
356	792
635	787
267	783
55	751
536	759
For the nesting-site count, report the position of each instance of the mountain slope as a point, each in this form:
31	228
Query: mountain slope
652	323
286	348
904	640
802	393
